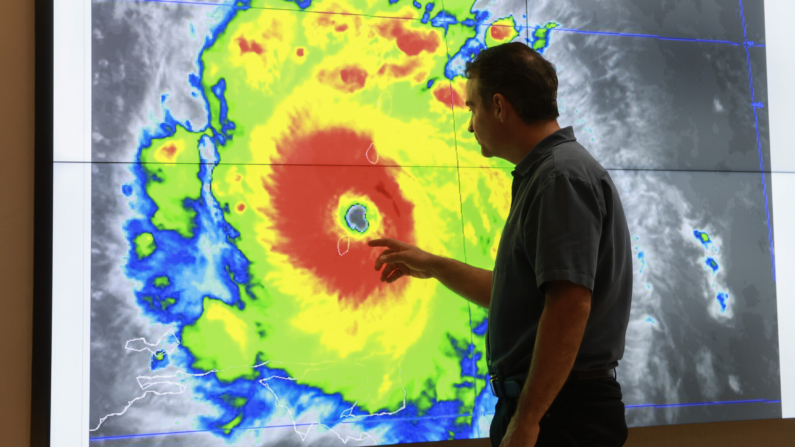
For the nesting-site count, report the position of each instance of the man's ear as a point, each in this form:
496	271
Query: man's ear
501	107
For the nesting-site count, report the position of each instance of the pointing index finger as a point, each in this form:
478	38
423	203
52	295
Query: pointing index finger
383	242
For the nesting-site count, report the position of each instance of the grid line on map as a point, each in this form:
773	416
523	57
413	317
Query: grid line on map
611	169
419	19
308	424
754	108
463	232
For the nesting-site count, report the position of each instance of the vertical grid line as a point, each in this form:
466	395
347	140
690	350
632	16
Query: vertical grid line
455	139
758	141
463	236
527	22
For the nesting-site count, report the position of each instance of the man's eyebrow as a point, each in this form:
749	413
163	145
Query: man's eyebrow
469	103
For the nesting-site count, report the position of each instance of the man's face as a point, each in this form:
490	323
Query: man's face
483	120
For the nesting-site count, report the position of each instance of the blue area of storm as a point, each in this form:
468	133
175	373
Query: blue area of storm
481	328
426	16
703	237
443	20
208	265
642	260
219	91
712	264
723	299
469	359
407	425
158	363
356	218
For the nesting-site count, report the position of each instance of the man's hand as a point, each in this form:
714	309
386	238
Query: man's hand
402	259
520	434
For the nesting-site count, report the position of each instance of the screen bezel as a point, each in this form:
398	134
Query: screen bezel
43	225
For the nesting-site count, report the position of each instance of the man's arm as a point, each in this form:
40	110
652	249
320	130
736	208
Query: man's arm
560	331
471	283
402	259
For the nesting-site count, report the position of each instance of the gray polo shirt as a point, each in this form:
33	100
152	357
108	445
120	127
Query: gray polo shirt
566	223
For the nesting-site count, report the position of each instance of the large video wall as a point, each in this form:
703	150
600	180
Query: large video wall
243	152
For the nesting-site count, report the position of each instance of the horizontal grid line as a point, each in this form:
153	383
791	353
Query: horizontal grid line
701	404
152	163
303	424
309	424
419	19
649	36
693	404
628	407
268	8
660	170
714	171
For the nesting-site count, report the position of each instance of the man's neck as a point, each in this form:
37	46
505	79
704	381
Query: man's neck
527	137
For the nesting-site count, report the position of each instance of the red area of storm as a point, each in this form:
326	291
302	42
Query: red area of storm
353	76
169	151
399	71
305	196
328	20
410	42
248	46
448	96
500	32
347	79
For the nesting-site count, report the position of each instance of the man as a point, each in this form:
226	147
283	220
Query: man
559	295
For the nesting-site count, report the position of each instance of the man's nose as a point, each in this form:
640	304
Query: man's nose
471	129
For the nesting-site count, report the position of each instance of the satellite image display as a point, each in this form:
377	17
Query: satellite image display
243	152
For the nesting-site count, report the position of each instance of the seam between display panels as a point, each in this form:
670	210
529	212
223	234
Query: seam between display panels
342	165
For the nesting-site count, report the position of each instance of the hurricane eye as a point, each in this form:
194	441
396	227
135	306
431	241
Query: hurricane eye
356	218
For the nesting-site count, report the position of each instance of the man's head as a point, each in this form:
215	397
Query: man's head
509	86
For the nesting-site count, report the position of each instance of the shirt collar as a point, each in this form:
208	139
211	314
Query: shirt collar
541	149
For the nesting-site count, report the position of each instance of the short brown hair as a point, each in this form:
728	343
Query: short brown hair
527	80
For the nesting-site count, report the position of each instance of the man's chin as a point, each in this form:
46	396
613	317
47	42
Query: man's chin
485	152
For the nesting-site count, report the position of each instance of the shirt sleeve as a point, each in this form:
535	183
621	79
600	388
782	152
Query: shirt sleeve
564	223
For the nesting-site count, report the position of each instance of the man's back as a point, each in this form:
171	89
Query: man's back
566	223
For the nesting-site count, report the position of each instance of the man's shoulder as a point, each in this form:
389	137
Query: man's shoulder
569	160
572	160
